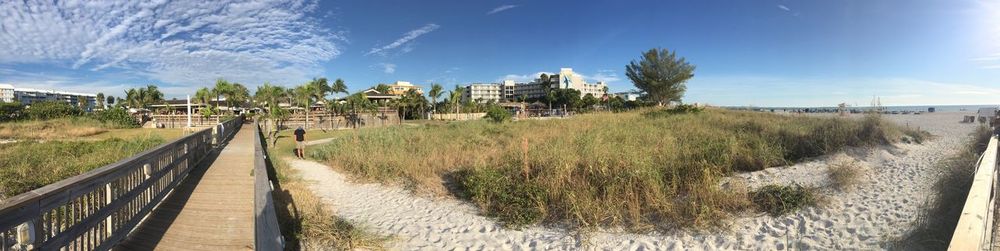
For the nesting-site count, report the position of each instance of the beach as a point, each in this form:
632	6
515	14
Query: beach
894	187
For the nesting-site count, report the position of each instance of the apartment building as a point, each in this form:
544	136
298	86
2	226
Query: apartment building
508	90
26	96
401	87
6	93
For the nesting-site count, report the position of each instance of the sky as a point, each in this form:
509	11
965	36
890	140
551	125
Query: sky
759	53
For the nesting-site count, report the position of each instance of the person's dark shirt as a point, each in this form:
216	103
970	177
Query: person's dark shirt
300	134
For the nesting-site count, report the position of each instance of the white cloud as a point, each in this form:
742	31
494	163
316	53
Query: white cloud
409	36
783	7
388	68
523	78
500	9
606	76
185	42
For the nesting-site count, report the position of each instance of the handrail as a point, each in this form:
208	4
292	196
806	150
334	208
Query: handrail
975	227
267	233
97	209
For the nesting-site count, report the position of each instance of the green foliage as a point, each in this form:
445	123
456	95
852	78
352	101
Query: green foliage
503	193
116	118
779	200
143	97
498	114
50	110
11	111
679	109
661	74
30	165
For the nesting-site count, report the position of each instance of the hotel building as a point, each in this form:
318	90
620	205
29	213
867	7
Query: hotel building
508	90
26	96
401	87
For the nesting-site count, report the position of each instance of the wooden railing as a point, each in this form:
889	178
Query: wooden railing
975	227
97	209
267	233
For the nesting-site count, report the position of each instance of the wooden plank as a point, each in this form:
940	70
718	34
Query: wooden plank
267	233
972	232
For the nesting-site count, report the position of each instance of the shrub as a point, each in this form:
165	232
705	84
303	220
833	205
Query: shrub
11	111
844	174
498	114
50	110
778	200
679	109
514	201
116	118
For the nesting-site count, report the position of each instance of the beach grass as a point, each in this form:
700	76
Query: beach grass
306	222
844	174
641	170
77	128
30	165
936	224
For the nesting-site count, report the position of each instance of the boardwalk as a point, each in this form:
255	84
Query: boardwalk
211	210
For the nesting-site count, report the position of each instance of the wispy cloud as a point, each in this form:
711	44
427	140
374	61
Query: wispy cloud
177	42
388	68
783	7
409	36
500	9
606	76
523	78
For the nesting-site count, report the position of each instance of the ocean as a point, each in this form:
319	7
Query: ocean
912	108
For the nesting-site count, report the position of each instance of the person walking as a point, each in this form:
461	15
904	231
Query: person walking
300	144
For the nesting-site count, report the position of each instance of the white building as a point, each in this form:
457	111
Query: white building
28	96
483	93
627	96
6	93
569	80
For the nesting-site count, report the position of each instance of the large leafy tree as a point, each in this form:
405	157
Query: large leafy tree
436	91
238	95
661	74
100	100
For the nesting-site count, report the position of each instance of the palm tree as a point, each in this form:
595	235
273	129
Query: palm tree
303	96
455	96
238	94
152	96
333	107
270	96
318	88
436	91
222	88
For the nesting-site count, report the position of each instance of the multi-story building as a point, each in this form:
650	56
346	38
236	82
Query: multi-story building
28	96
482	93
6	93
508	90
401	87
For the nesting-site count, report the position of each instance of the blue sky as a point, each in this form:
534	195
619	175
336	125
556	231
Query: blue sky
765	53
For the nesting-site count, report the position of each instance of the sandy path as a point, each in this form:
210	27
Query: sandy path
895	187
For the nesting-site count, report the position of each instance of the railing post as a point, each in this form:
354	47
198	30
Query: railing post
109	228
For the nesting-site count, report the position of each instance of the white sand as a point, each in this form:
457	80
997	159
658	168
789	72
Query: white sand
894	187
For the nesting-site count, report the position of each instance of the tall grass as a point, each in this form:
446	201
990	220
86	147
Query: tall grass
53	129
306	222
640	170
934	227
29	165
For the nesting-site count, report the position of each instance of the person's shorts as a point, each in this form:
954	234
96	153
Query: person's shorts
300	144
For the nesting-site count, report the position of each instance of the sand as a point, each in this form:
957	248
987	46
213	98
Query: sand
894	186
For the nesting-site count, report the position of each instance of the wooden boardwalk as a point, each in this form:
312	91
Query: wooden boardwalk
211	210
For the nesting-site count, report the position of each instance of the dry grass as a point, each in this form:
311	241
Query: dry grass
29	165
641	170
306	222
51	129
844	174
934	226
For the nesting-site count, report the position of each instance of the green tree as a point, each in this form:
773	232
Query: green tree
238	95
100	100
382	88
455	97
436	91
222	88
589	101
269	98
661	74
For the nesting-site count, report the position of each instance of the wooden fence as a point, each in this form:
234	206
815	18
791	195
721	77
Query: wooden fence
326	121
97	209
180	121
267	233
975	228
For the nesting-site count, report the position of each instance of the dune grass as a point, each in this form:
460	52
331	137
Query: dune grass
844	174
640	170
29	165
935	226
77	128
306	222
